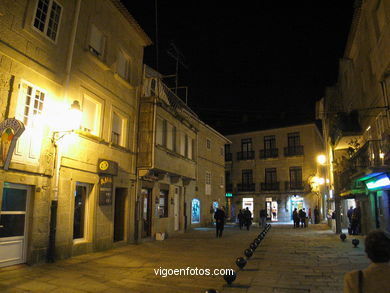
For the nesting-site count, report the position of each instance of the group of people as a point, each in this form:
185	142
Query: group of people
354	216
300	219
244	218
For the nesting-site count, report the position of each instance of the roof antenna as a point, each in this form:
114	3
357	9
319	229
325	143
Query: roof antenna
156	23
176	54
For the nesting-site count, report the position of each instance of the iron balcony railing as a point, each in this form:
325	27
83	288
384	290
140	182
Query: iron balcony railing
245	187
269	153
228	157
247	155
296	150
270	186
294	185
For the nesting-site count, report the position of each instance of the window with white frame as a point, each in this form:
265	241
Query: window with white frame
90	121
123	66
29	111
190	149
97	42
47	18
208	183
117	130
183	141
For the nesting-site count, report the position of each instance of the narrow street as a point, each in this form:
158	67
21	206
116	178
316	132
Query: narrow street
288	260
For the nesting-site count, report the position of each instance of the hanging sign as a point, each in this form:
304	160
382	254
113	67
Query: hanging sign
10	130
107	167
105	190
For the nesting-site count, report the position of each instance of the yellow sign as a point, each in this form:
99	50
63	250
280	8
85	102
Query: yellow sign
104	165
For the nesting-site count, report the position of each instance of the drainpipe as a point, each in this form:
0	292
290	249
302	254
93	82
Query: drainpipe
54	202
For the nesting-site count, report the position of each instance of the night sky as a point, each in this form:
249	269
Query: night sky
249	67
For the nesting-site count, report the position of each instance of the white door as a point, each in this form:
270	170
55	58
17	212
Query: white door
13	224
177	208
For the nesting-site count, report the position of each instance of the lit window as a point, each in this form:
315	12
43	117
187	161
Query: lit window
163	204
90	121
123	66
97	42
47	18
117	133
29	111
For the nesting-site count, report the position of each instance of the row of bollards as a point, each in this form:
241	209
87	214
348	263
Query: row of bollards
242	261
355	242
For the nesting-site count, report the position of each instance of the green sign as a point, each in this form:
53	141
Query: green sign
228	194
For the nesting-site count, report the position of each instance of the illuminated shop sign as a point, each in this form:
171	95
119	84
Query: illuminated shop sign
228	194
379	182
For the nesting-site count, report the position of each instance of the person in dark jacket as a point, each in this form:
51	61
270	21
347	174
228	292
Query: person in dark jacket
263	217
240	217
296	218
247	218
219	217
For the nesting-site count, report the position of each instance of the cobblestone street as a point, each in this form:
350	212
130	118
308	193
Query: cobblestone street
288	260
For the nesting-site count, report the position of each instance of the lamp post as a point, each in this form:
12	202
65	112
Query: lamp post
73	119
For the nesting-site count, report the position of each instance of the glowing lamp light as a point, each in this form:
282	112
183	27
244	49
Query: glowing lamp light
381	182
319	180
75	115
321	159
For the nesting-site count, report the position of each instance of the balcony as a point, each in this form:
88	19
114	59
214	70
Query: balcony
269	153
247	187
270	186
296	150
247	155
293	185
228	157
369	156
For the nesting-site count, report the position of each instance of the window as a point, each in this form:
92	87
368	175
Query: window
269	142
195	211
97	42
80	211
208	183
90	121
160	126
117	132
228	148
190	149
123	66
47	18
270	175
170	137
293	139
246	145
208	144
163	204
247	177
295	177
183	144
29	110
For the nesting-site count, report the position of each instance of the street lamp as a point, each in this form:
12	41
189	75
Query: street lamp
72	117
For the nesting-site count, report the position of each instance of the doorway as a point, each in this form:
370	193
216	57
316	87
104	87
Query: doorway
268	208
119	214
177	208
13	224
296	203
146	210
247	202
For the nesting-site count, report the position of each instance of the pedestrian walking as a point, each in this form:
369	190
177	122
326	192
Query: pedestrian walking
240	217
247	218
355	220
220	218
316	216
296	218
302	217
374	278
263	217
310	219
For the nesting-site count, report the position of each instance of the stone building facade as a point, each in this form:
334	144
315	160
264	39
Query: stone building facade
54	54
274	169
355	114
173	162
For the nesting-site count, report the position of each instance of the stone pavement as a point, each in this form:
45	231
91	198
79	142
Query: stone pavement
288	260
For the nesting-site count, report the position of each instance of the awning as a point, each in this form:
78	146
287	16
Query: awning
352	193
